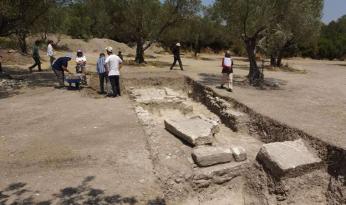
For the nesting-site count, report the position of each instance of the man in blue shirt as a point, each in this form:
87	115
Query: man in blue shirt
101	71
59	66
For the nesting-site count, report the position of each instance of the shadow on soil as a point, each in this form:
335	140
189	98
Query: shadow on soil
17	193
240	81
13	79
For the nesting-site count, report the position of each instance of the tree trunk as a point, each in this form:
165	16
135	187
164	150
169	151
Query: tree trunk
273	61
254	72
22	42
196	46
140	51
279	59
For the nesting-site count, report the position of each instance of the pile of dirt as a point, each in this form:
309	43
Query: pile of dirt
94	45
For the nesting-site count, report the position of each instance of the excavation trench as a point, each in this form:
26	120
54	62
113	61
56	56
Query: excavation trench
161	96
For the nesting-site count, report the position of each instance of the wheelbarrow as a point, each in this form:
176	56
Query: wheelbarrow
74	79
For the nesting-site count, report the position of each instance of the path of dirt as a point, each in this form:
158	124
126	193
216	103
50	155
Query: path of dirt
59	147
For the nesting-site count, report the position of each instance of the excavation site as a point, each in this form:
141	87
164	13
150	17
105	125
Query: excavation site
210	149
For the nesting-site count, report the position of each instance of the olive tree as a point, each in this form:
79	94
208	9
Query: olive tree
247	19
144	21
295	22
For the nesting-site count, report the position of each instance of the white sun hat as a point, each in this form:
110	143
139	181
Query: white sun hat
109	49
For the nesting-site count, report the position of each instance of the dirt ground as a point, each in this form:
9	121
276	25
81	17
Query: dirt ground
312	98
65	147
58	147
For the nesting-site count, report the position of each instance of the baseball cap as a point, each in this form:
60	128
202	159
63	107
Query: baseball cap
178	44
69	55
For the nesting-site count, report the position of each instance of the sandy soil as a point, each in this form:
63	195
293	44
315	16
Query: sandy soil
313	100
60	147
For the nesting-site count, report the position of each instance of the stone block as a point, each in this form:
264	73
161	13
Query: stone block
196	130
239	153
206	155
288	159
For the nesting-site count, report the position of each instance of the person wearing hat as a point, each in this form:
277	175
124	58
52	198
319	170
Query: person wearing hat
81	64
176	54
59	66
227	72
112	64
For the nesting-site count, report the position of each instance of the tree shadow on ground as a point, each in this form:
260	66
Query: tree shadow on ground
13	79
210	79
215	79
19	194
341	65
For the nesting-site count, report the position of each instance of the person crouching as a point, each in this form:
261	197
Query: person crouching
59	66
227	72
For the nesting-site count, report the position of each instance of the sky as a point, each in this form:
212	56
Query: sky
333	9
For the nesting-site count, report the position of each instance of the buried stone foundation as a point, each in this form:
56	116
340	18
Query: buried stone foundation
288	159
242	120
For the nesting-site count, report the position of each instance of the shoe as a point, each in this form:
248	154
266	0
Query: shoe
222	87
229	90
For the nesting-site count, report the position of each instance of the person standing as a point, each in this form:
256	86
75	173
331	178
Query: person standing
101	71
50	52
81	65
120	55
59	66
176	55
113	63
36	56
227	72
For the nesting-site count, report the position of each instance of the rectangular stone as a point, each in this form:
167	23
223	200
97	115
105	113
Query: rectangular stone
288	159
196	130
239	153
207	155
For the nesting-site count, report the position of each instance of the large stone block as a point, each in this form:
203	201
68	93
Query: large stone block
206	155
196	130
288	159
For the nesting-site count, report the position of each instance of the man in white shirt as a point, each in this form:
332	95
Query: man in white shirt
113	64
50	52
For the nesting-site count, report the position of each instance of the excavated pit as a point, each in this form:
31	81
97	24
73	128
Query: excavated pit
158	97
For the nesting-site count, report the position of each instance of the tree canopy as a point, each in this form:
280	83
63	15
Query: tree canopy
276	28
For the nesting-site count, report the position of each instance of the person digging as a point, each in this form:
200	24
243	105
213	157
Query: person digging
59	67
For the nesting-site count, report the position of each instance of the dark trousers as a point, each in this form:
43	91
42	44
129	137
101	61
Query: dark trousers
37	63
51	60
103	78
177	58
114	80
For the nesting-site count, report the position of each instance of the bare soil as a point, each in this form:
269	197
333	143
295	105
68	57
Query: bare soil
76	147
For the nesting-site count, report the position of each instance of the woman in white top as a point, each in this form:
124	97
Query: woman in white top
81	65
50	52
227	72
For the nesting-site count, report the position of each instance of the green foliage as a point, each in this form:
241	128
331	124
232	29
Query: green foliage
198	32
332	43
